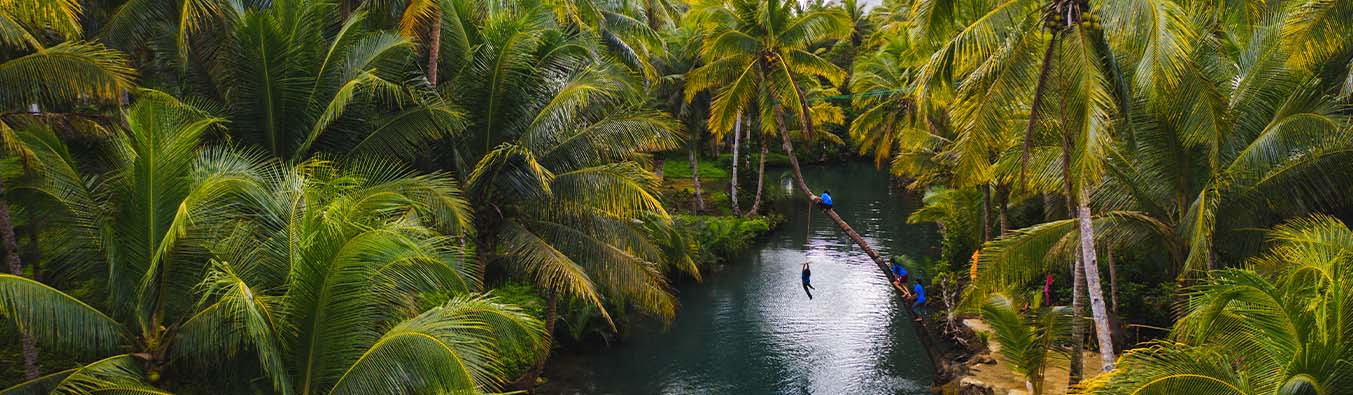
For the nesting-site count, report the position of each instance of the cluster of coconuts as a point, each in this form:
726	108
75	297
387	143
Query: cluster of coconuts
1090	21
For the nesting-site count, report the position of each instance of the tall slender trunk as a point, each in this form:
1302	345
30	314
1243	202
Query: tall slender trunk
551	316
658	163
1113	277
733	182
1092	280
760	178
1075	373
1003	204
695	175
15	266
434	44
1049	56
986	212
1077	369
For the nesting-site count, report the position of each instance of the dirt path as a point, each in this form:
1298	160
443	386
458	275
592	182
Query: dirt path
998	376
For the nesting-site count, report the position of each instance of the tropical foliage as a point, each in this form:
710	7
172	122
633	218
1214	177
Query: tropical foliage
306	196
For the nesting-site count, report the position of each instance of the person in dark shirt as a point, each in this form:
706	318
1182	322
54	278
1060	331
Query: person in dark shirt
919	305
807	280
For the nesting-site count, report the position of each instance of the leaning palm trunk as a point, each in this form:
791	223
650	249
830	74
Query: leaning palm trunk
11	246
921	332
733	182
695	176
803	186
760	179
1092	281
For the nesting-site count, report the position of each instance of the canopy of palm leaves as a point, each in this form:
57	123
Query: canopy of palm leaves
553	161
218	260
1255	140
1280	325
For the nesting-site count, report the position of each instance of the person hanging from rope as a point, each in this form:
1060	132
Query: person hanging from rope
825	202
919	305
807	280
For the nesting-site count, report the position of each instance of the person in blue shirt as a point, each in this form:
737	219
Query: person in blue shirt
826	202
919	305
807	277
899	273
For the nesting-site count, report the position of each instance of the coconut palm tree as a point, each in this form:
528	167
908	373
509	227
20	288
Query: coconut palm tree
552	164
39	77
296	79
1012	58
312	270
759	52
1175	186
1278	326
1029	341
678	59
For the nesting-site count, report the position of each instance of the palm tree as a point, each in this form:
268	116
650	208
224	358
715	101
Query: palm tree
678	59
1174	186
1016	56
551	163
1029	341
758	52
205	252
1274	327
37	76
296	80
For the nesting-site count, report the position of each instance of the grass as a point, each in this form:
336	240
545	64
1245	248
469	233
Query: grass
677	165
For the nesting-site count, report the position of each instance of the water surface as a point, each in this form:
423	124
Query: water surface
750	329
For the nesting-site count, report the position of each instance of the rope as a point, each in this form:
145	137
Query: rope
808	228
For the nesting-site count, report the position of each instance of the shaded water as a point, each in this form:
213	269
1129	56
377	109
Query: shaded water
750	329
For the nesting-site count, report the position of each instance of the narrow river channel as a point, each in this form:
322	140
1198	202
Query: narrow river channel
750	329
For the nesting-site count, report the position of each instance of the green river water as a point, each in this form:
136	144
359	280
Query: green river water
749	329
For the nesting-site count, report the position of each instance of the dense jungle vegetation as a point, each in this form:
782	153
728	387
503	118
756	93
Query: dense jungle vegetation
428	196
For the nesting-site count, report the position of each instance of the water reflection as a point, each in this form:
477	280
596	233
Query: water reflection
750	329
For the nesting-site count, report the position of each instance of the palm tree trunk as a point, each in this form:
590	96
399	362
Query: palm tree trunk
986	212
760	178
551	316
733	183
1003	201
1044	71
695	175
658	163
920	328
1113	278
434	45
1089	262
15	266
1075	373
1077	369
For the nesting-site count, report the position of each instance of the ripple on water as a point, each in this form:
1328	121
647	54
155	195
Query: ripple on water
749	329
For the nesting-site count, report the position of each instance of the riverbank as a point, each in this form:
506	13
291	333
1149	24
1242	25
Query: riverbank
749	328
977	371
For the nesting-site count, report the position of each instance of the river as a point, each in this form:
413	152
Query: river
750	329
